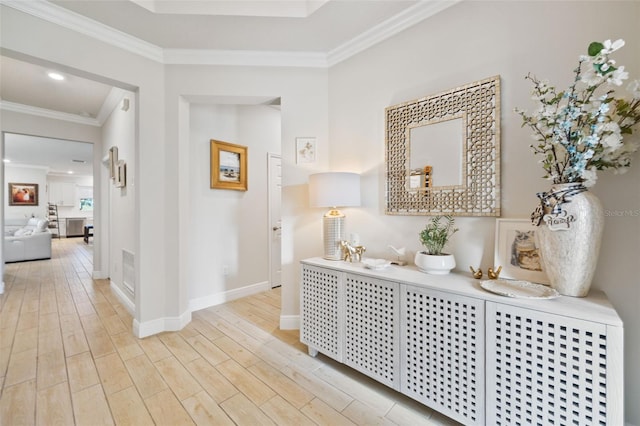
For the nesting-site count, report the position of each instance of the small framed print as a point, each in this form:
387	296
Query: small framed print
23	194
305	150
228	166
517	251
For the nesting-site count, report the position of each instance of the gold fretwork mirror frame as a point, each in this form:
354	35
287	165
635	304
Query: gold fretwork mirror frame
478	103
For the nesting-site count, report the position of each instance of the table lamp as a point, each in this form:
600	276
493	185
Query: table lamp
334	189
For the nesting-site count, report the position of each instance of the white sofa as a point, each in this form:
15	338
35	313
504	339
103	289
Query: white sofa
29	242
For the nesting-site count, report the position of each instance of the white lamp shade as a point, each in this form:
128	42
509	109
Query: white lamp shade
334	189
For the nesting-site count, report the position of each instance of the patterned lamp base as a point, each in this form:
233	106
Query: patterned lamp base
333	233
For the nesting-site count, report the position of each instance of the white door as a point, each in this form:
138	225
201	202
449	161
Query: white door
275	221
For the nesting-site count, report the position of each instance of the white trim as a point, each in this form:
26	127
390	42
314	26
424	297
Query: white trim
76	22
392	26
267	58
122	297
87	26
226	296
99	275
114	97
47	113
289	322
149	328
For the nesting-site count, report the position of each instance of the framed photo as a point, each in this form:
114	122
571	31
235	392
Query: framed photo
23	194
228	166
517	251
305	150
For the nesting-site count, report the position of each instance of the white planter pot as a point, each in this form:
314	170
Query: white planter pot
435	264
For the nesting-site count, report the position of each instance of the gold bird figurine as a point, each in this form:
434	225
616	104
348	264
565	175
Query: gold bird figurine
476	274
494	275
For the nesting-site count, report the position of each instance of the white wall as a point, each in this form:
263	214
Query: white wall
468	42
18	174
228	229
119	203
303	93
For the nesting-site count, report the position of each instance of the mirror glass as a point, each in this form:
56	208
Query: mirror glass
443	153
437	147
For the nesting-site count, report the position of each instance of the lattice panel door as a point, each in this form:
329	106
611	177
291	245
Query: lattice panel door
443	352
547	369
371	334
320	304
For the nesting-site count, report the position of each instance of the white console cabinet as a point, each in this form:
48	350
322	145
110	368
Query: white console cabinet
479	358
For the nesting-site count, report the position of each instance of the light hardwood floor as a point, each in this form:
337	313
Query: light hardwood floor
67	356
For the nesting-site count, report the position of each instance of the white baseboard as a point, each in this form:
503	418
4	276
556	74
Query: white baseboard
289	322
2	288
124	299
149	328
99	275
226	296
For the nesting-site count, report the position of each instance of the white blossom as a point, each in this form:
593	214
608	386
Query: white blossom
610	47
617	76
634	88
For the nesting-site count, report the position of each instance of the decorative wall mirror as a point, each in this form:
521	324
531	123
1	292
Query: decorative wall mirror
443	153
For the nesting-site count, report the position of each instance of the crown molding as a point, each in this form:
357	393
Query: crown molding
87	26
47	113
115	96
76	22
245	57
392	26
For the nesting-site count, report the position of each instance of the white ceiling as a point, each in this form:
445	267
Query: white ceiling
272	32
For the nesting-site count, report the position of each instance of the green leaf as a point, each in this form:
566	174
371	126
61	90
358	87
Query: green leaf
595	48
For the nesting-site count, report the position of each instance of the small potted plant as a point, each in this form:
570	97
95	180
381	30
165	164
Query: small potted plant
434	237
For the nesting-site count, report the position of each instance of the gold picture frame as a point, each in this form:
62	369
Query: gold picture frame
228	166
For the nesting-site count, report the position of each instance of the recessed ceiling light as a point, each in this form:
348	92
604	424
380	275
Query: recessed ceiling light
6	160
55	76
70	172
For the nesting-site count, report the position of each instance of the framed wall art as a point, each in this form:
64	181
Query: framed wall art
517	251
305	150
228	166
23	194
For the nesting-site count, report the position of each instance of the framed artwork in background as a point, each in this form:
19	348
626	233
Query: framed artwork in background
228	166
517	251
305	150
23	194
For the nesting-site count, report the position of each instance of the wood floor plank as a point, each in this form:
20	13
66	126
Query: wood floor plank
54	406
236	351
167	410
113	374
75	343
213	354
82	372
22	367
321	413
90	407
179	347
330	394
178	378
145	376
283	413
52	369
126	345
128	408
204	410
256	390
25	340
154	348
213	382
243	412
295	394
17	405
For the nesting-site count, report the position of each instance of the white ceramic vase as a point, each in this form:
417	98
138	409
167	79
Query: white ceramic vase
570	241
435	264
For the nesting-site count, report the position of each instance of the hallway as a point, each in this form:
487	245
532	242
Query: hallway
67	356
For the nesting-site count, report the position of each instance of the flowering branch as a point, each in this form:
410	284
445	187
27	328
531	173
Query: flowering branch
580	130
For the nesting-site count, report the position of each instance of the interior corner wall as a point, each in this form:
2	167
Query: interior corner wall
468	42
304	110
119	130
28	35
228	238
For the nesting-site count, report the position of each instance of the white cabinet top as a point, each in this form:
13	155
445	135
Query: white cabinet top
595	307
